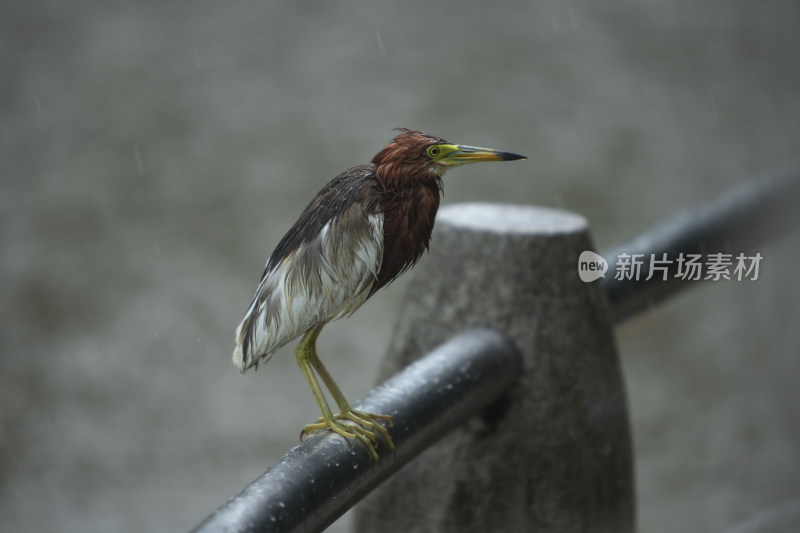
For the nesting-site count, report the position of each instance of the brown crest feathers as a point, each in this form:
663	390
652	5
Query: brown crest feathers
407	147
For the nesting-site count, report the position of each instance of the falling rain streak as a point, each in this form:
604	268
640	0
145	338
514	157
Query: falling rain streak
198	61
380	43
139	164
573	20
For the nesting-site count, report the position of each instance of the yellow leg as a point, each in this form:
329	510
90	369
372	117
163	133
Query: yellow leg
365	424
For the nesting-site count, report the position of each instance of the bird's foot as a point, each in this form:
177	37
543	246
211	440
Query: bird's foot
352	424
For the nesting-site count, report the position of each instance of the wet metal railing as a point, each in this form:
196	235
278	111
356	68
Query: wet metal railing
317	481
738	220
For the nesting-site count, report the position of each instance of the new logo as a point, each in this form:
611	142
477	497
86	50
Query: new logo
591	266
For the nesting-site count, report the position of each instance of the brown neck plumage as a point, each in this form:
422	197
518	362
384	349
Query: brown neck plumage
410	199
395	178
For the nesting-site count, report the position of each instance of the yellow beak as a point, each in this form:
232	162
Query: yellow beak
472	154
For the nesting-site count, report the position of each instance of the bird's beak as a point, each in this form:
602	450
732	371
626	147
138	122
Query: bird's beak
472	154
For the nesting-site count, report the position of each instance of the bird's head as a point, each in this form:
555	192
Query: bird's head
414	152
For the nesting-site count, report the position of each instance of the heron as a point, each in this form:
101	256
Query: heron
366	227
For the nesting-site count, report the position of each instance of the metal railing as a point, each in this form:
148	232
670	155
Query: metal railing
320	479
745	216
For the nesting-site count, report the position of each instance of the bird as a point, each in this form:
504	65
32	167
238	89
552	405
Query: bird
366	227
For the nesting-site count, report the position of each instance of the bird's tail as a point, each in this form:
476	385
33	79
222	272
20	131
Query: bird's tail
240	359
249	354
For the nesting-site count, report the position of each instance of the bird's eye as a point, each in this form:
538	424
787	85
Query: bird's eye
434	151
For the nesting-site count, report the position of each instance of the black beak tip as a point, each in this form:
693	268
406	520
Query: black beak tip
508	156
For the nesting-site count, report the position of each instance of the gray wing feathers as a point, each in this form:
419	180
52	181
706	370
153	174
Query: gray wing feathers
325	278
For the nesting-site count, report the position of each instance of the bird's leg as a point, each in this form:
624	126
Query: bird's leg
309	362
362	418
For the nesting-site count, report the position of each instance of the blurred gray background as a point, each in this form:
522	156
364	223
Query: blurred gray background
153	153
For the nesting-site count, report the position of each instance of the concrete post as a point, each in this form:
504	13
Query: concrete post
555	453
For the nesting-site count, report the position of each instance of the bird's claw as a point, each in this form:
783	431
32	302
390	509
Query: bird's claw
352	424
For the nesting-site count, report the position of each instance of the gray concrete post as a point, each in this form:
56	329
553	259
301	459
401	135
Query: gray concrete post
555	453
